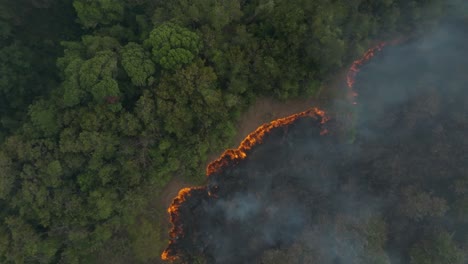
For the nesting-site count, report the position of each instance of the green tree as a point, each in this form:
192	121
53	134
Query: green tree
7	176
439	249
95	77
215	13
190	100
146	243
138	65
418	204
94	44
77	165
17	84
44	117
92	13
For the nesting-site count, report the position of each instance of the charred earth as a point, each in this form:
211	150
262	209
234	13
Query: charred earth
304	194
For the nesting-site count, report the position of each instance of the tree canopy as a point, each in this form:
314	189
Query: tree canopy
102	102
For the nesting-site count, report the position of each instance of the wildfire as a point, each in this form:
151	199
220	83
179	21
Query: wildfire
355	67
173	211
228	156
180	198
357	64
256	137
253	139
165	256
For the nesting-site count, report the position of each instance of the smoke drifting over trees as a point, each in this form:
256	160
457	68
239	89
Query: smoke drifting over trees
108	105
397	194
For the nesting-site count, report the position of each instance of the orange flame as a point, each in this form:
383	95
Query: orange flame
256	137
173	211
355	67
165	256
357	64
229	155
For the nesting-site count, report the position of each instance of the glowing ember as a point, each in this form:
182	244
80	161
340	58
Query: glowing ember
176	229
232	155
256	137
165	256
226	158
357	64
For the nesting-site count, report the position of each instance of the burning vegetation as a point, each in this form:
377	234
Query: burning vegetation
229	158
232	155
366	57
174	211
295	192
357	64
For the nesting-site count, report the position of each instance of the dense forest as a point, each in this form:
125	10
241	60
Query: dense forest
103	101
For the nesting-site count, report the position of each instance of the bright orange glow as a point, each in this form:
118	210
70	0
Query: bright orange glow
357	64
173	211
256	137
180	198
240	153
165	256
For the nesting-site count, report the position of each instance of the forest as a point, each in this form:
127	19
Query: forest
102	102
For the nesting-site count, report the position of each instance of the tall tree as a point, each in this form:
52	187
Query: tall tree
173	46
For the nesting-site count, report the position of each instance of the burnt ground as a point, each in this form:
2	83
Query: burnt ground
301	196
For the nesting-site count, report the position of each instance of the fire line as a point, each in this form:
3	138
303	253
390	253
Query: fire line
230	156
365	58
256	137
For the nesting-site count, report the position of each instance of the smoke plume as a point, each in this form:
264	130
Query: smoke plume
321	191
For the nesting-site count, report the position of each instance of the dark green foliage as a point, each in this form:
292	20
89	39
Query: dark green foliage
98	12
44	118
440	249
190	100
6	175
138	65
173	46
99	108
15	82
30	32
89	69
417	204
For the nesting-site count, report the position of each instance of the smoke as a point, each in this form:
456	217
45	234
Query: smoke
304	197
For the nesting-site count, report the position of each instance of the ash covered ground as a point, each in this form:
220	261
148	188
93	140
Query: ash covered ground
399	187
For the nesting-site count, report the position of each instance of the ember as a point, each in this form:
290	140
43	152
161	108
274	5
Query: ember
295	192
233	156
255	138
230	157
357	64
